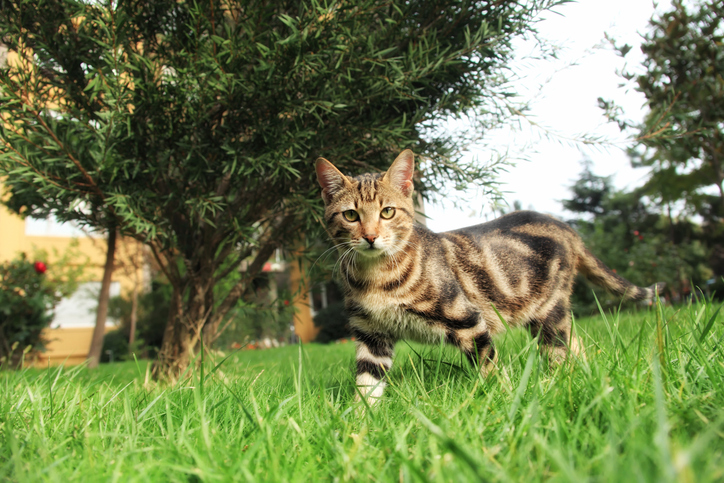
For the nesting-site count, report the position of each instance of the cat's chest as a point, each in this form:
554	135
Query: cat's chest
386	315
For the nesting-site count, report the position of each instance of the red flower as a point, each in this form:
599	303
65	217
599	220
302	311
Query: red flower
636	232
40	268
286	302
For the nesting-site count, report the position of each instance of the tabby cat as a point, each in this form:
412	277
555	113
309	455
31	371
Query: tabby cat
402	281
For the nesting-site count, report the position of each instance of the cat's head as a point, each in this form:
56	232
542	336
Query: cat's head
371	213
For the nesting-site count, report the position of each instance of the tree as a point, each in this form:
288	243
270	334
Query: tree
683	130
634	238
682	134
195	125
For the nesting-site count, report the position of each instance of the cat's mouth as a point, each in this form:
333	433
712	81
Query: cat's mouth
370	251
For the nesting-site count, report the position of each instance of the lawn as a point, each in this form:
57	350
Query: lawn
647	404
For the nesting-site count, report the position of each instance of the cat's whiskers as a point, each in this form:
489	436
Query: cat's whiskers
410	243
397	248
328	252
338	266
349	257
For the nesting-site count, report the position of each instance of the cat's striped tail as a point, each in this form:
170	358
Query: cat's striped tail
598	273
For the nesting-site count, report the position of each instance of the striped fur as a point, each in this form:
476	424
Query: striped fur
403	281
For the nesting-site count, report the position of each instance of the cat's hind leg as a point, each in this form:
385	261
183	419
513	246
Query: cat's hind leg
478	348
374	360
555	334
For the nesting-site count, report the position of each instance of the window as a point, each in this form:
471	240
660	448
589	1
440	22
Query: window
79	310
52	227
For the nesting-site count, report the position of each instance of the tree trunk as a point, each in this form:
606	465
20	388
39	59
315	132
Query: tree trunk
183	330
134	316
94	354
192	309
175	353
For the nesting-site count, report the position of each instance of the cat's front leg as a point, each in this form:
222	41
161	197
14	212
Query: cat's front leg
374	360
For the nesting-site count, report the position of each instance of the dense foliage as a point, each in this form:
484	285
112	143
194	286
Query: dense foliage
30	288
683	131
265	312
194	125
629	234
259	315
333	323
678	214
26	303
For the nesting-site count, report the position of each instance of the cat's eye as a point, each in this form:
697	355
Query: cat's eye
387	213
350	215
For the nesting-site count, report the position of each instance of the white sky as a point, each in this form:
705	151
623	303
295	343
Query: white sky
566	106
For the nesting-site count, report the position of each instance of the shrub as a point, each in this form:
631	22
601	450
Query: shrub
259	317
152	315
333	323
27	299
115	346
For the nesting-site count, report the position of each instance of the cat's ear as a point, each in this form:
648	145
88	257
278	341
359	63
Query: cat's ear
400	173
330	179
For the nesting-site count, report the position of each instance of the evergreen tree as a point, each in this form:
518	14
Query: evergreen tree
194	125
630	235
682	136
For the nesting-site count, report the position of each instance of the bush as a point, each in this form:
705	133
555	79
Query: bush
152	316
257	319
27	299
333	323
115	344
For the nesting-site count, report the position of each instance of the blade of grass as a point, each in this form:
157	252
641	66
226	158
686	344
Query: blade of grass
660	342
216	367
661	436
201	369
450	444
241	403
709	324
523	384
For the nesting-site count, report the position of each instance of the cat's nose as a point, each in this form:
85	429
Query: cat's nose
370	239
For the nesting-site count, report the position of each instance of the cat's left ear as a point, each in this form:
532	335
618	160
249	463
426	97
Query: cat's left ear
400	173
330	179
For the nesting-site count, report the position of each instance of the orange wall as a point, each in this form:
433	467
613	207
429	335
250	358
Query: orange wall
303	325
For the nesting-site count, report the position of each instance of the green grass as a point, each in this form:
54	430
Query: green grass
646	405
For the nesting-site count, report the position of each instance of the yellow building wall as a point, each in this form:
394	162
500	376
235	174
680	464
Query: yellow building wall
13	241
66	346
